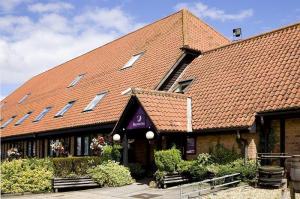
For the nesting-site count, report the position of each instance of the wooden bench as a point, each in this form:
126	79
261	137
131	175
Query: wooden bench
82	182
172	179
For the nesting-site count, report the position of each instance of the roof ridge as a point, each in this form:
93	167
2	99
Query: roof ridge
254	37
184	31
137	91
206	24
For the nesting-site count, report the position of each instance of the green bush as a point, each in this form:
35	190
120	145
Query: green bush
221	155
167	160
159	176
111	153
204	159
247	171
26	175
74	166
185	166
111	174
136	170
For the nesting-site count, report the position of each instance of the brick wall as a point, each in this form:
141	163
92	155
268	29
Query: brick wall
292	136
204	143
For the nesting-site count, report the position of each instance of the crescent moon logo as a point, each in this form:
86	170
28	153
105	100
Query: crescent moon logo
139	118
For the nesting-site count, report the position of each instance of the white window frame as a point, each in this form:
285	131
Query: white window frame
132	60
95	101
22	119
23	98
76	80
62	111
5	124
42	114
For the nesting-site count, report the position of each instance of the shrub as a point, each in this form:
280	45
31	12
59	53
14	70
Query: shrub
247	171
167	160
111	174
72	166
198	172
222	155
204	159
111	153
26	175
136	170
159	176
184	167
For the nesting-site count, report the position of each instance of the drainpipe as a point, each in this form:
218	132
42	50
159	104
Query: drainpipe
189	114
244	144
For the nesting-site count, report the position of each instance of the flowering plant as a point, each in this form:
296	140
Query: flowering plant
13	153
97	144
57	147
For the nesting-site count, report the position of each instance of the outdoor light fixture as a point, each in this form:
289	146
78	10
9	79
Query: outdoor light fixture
150	135
116	137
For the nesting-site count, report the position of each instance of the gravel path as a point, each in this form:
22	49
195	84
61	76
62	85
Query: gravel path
248	192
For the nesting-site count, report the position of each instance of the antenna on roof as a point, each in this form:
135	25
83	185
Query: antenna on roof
237	34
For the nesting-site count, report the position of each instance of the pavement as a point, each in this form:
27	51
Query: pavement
135	190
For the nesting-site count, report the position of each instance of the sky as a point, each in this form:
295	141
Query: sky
38	35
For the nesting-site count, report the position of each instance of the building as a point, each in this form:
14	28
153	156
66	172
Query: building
176	77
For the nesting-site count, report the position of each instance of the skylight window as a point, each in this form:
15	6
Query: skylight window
94	102
182	86
64	109
23	118
132	60
8	122
76	80
42	114
24	98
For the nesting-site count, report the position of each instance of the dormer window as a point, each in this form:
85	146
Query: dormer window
64	109
42	114
24	98
8	122
183	86
132	60
94	102
76	80
23	118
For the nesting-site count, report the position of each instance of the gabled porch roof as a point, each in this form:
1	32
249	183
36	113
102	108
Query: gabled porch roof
168	112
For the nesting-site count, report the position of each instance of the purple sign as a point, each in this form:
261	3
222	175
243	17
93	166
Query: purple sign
139	120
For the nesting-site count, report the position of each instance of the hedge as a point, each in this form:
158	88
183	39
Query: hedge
26	175
74	166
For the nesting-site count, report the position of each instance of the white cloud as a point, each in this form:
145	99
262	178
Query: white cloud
8	5
29	46
50	7
204	11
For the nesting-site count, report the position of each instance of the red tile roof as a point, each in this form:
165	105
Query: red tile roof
168	111
161	41
234	82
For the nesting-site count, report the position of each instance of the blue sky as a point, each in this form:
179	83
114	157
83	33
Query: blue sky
37	35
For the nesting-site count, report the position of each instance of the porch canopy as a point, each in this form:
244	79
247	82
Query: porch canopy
157	111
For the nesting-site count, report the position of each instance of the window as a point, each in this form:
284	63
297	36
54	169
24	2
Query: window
182	86
23	118
132	60
64	109
24	98
191	145
86	145
8	121
76	80
42	114
78	146
31	149
94	102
